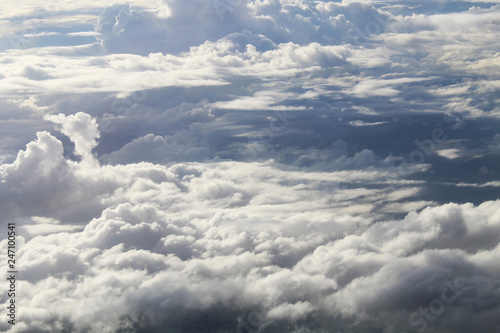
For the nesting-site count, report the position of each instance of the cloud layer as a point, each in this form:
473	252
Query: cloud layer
260	166
166	242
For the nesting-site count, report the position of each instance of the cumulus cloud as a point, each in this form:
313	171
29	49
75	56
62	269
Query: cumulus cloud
219	166
81	130
174	28
122	28
219	235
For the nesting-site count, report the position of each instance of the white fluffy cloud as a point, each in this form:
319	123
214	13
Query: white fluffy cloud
194	236
264	165
81	129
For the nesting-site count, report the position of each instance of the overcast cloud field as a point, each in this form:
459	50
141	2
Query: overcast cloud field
250	166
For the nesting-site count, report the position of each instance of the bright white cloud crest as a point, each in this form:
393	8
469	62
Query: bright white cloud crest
81	129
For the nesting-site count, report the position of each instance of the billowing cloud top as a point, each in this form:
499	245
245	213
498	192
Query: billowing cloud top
251	166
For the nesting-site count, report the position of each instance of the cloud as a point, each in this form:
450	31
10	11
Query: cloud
81	130
257	234
495	146
375	87
261	100
161	149
120	26
360	123
292	311
241	166
451	153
